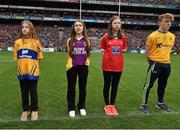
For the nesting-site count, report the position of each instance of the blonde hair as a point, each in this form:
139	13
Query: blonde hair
166	16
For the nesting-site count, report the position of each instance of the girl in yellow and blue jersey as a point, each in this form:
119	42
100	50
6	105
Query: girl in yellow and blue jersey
28	54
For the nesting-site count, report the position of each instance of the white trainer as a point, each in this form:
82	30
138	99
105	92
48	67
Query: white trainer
34	115
72	113
82	112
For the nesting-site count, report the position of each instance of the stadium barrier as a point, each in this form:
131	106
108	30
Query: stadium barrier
43	49
136	51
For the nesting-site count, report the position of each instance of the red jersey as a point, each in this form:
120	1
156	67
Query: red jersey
113	53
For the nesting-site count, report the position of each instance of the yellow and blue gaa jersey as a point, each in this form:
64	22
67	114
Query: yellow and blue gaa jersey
160	46
27	53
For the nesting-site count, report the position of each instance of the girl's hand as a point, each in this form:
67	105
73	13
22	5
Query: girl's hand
124	50
102	50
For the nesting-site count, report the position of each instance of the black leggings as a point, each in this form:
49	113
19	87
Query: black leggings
82	73
111	79
29	87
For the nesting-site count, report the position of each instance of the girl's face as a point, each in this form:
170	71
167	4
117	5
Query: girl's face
25	29
116	25
78	27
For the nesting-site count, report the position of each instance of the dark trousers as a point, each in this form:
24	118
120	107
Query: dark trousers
156	71
82	73
29	87
110	79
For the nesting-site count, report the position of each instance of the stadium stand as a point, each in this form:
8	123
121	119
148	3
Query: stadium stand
53	24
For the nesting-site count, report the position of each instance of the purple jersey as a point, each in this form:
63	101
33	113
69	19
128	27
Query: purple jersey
79	54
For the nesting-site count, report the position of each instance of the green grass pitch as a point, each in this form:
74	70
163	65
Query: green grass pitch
53	104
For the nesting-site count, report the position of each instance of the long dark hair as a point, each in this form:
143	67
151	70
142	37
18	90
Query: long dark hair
73	35
110	33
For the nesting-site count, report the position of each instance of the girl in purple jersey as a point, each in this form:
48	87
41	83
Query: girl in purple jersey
78	52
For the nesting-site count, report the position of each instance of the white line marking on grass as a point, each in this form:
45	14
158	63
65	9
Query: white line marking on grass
91	116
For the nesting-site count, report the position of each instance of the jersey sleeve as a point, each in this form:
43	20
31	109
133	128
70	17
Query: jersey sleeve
174	39
67	46
149	40
39	50
103	42
15	51
124	47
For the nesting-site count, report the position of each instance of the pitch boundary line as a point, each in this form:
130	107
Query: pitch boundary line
91	116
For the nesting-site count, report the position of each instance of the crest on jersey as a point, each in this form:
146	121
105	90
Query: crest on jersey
116	50
24	52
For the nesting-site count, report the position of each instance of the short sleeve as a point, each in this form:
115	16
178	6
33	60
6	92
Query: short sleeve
39	50
149	40
124	47
103	42
15	51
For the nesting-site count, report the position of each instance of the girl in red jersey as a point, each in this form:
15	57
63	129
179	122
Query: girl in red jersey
113	45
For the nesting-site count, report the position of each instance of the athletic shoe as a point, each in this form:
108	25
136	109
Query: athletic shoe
24	116
34	115
72	113
82	112
144	109
113	110
107	109
163	107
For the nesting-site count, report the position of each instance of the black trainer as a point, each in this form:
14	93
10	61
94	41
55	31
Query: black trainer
144	109
163	107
